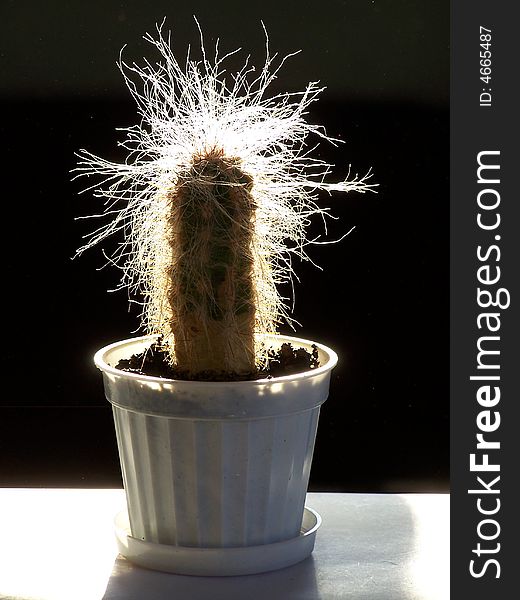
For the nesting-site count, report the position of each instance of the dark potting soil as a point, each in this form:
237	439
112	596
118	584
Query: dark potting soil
285	361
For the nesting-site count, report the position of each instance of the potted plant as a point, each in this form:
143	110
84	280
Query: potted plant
215	413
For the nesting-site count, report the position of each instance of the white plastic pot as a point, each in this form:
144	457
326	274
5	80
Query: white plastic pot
215	464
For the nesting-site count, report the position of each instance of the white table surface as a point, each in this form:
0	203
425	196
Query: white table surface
58	544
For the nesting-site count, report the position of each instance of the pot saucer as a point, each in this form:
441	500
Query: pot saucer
218	561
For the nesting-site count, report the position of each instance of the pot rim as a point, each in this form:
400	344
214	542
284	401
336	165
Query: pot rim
102	365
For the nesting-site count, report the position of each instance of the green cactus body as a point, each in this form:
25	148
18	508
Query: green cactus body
211	284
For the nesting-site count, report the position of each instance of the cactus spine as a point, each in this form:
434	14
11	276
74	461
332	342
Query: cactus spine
211	291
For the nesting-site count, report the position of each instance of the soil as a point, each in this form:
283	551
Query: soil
285	361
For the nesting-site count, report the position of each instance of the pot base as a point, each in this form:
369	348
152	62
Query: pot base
245	560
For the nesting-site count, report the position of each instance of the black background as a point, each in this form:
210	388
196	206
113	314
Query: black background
381	301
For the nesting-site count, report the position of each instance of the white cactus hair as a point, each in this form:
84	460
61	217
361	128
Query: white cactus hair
186	111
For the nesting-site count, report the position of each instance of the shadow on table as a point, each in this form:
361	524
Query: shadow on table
365	548
370	547
134	583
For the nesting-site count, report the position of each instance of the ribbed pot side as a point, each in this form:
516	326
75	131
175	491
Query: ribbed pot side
215	464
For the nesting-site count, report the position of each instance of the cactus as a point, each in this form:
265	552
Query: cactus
213	202
211	289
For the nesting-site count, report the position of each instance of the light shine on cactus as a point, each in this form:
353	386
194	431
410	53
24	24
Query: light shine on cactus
213	200
211	288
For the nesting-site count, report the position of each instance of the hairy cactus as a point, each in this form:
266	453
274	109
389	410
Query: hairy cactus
213	202
211	289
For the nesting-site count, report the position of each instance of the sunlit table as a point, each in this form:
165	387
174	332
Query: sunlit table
58	544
